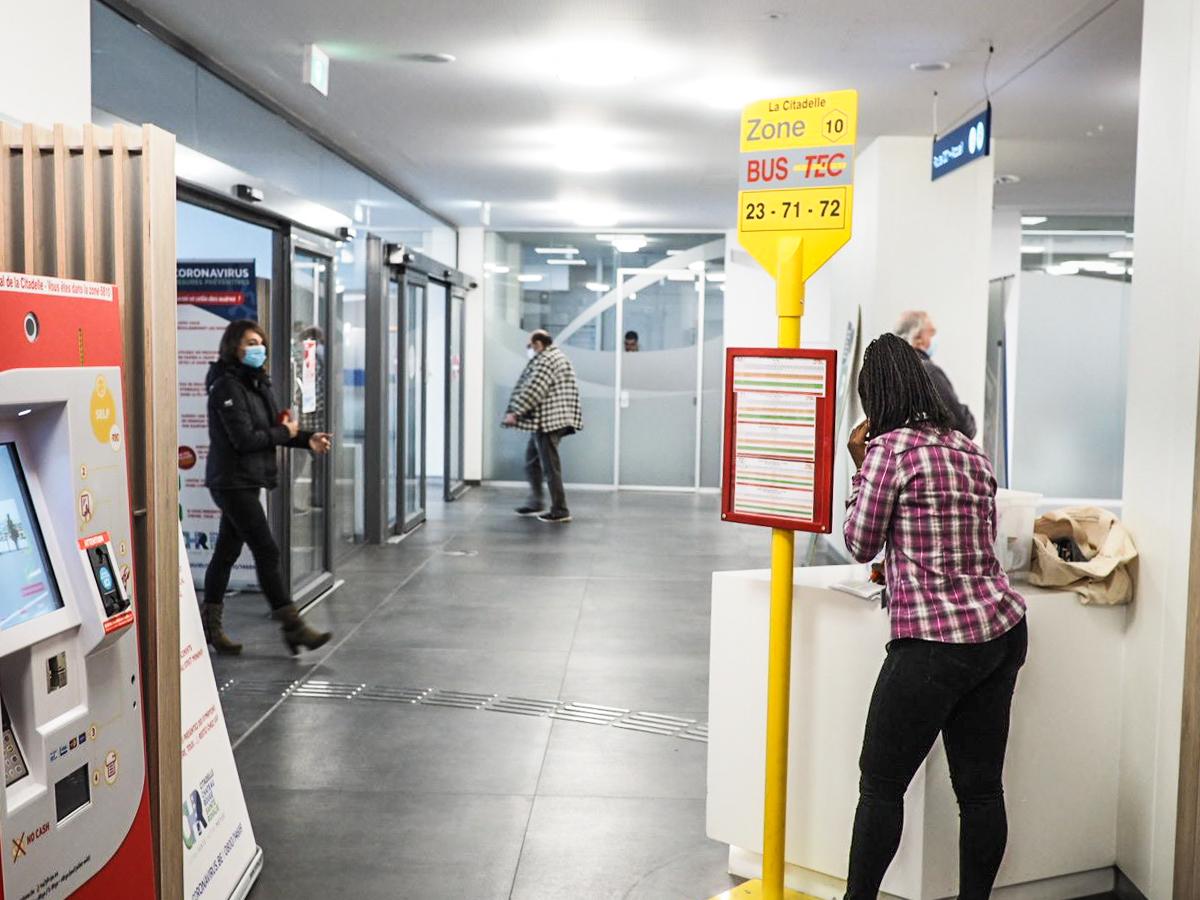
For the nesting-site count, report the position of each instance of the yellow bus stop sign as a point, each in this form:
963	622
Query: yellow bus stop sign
797	176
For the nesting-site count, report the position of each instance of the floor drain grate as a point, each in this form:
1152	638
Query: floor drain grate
562	710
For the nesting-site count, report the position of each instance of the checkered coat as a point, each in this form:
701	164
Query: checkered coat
546	397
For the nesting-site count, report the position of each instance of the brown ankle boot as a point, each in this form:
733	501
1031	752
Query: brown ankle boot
297	633
214	633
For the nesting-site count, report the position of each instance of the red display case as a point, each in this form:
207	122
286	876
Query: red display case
777	469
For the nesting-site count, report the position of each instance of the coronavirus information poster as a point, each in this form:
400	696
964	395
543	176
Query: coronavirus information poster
209	294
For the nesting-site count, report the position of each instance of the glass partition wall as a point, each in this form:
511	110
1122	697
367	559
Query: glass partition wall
641	318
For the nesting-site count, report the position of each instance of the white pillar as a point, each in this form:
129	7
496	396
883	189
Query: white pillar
46	66
1160	436
470	261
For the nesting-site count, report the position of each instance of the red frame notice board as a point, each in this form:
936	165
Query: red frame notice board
777	468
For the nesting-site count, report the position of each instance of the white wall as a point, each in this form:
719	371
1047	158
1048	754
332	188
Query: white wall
1160	437
470	262
46	66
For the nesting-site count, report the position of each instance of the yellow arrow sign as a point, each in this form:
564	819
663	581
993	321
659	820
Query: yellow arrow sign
797	177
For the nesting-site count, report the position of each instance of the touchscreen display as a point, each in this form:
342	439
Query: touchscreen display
27	585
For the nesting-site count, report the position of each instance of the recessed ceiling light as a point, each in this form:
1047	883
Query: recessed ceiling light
1008	179
1030	250
24	412
429	57
566	262
530	278
598	287
569	251
939	66
1121	254
499	270
1032	220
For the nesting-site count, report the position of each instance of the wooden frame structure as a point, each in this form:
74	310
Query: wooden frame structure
99	205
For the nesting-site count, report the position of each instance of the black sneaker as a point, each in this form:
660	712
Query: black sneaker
530	510
556	518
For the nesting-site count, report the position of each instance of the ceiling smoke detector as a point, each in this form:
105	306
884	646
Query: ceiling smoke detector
929	66
429	57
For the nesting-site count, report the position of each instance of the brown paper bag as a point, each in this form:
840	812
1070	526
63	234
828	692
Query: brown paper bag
1108	577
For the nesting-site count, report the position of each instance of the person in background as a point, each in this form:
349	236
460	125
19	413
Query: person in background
925	494
545	403
631	342
244	428
918	329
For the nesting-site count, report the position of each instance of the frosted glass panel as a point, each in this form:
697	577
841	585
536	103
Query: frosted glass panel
658	386
1069	421
713	395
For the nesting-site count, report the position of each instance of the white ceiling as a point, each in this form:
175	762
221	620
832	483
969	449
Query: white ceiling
491	127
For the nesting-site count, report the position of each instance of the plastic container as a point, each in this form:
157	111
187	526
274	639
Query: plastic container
1016	512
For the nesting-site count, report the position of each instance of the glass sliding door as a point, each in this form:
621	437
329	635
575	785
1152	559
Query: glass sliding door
308	389
393	406
411	299
658	413
456	312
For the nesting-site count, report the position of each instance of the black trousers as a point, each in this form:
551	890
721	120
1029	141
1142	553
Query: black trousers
244	523
542	464
964	692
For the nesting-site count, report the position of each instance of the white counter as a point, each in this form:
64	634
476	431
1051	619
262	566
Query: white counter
1062	772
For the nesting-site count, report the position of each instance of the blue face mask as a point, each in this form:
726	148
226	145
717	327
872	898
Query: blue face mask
255	356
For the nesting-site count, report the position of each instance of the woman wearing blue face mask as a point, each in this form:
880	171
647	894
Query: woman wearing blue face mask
244	428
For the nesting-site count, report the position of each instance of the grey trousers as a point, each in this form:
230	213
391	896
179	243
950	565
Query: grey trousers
542	465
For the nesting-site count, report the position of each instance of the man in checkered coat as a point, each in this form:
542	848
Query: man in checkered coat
545	403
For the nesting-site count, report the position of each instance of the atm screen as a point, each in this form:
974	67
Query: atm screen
27	586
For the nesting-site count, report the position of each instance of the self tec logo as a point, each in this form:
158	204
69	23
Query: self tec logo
21	845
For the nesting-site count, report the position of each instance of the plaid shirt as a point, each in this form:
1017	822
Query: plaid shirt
546	397
929	497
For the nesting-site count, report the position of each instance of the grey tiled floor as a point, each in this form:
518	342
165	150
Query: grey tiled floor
383	800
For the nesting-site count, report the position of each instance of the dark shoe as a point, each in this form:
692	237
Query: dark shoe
214	634
530	510
297	633
556	518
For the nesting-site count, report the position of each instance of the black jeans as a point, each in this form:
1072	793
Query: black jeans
542	464
244	523
964	692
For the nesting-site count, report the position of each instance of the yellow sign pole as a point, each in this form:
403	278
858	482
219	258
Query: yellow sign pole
795	205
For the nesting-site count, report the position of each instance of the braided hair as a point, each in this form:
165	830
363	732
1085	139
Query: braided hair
895	389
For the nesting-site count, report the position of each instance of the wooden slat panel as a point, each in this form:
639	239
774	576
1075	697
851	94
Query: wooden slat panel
62	259
159	341
91	204
120	213
7	217
31	229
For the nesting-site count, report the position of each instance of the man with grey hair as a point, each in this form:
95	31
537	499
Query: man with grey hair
916	327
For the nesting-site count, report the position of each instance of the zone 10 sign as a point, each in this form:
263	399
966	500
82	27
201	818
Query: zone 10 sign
797	176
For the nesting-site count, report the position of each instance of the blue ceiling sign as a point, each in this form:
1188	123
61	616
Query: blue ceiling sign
969	141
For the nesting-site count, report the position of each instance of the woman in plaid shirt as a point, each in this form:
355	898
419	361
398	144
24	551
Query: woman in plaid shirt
925	495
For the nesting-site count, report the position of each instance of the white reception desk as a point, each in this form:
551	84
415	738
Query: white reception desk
1062	772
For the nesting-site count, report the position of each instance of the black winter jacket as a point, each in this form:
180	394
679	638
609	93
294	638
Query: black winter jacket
243	428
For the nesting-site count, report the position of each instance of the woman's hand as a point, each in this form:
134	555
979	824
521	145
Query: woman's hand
510	420
320	443
858	442
290	424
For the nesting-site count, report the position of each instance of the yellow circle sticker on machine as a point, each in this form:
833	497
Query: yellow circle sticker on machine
797	176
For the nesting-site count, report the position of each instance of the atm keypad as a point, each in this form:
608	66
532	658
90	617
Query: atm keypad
14	764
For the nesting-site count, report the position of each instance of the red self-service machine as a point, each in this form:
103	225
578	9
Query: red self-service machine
74	802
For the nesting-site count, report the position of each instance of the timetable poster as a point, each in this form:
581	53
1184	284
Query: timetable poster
779	440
